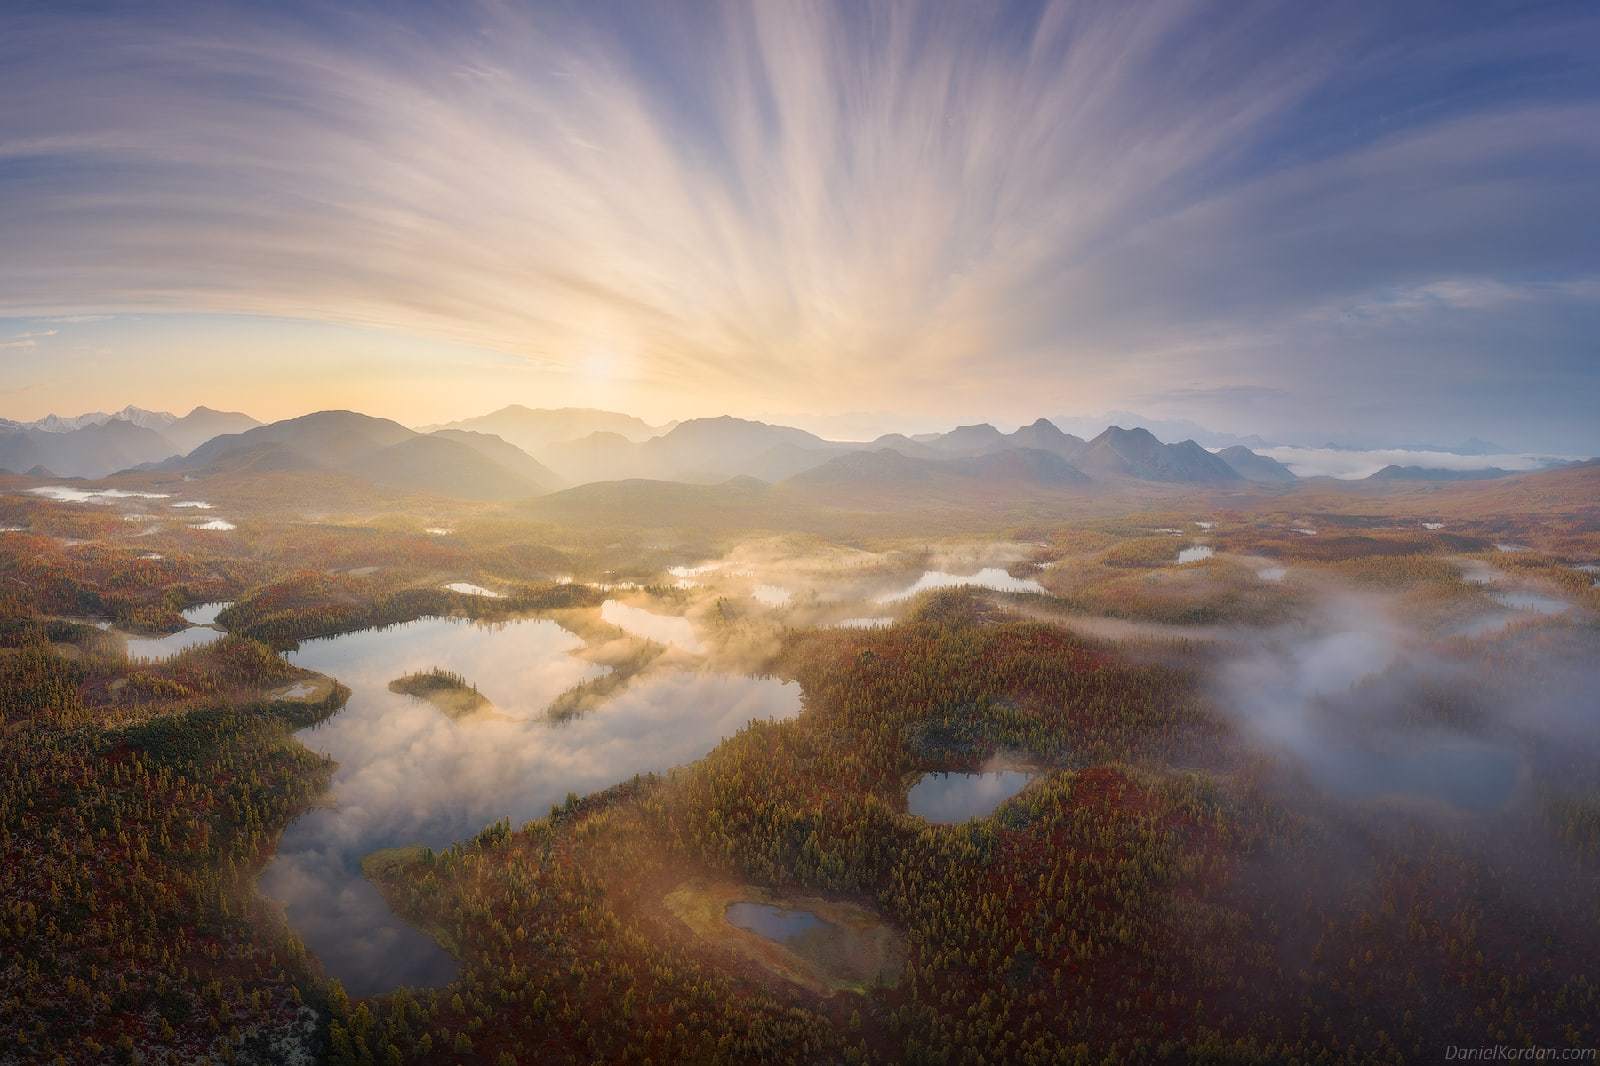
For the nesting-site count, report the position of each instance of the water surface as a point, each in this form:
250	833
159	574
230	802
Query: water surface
662	628
204	614
467	588
165	647
408	774
782	924
958	797
990	577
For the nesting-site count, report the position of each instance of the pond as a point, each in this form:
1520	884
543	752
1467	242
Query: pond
1460	772
165	647
990	577
1195	554
467	588
948	798
671	629
408	774
204	614
782	924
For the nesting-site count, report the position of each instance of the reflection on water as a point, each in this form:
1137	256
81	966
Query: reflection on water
167	646
661	628
949	798
782	924
1195	554
409	775
1537	602
990	577
467	588
204	614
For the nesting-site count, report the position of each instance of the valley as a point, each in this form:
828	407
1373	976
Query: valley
890	760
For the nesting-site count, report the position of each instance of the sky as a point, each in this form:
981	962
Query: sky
1366	222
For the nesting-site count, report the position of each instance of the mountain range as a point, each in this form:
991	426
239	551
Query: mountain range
519	451
97	444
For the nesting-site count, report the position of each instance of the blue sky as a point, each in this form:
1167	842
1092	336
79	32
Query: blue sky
1369	222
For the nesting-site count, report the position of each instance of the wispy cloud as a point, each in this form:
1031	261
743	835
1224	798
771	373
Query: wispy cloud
1053	205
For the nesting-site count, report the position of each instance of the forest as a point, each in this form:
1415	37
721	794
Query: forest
1168	887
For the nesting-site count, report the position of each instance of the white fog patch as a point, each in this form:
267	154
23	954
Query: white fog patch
1351	464
200	505
66	494
1195	554
772	595
1272	573
408	774
1433	525
438	531
215	523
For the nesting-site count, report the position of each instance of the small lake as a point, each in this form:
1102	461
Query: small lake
782	924
671	629
990	577
467	588
1536	602
1195	554
946	799
1467	774
408	774
205	614
165	647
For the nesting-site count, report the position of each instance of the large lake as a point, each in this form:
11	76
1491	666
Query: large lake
408	774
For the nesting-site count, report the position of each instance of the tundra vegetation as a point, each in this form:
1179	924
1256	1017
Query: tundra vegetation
1180	880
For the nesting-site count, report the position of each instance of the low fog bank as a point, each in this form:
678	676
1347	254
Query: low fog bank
1350	464
1367	706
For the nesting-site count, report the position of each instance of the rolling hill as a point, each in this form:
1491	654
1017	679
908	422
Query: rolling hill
455	463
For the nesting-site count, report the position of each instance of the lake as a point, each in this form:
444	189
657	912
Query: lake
408	774
990	577
782	924
671	629
947	798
